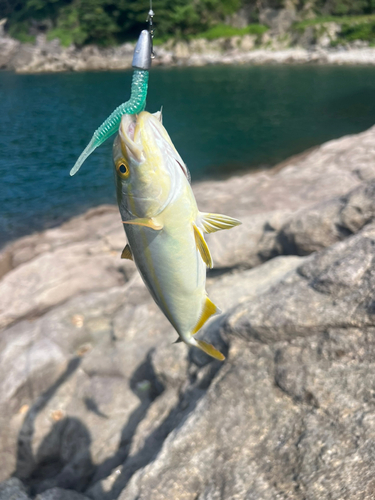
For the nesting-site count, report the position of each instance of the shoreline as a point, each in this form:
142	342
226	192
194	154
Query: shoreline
49	57
110	207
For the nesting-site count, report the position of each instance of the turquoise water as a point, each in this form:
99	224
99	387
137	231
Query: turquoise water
221	119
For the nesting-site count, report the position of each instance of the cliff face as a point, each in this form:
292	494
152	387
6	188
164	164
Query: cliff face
94	397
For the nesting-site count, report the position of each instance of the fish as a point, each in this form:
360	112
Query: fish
163	225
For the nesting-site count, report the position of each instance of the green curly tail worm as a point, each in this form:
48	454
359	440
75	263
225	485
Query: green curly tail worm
135	104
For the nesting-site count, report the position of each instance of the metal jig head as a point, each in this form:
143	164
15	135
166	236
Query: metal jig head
144	50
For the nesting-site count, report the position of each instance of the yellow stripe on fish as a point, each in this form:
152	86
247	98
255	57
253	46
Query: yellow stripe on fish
164	228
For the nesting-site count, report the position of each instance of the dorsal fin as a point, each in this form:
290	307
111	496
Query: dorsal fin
209	309
202	247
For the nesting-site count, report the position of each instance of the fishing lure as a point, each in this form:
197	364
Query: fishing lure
136	103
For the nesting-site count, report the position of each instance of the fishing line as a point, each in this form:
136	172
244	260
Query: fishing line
150	18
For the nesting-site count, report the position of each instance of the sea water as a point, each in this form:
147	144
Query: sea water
223	120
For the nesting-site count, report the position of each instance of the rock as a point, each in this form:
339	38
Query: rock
198	46
21	57
60	494
255	241
265	421
279	20
233	288
326	34
276	406
8	48
181	50
248	42
242	17
95	390
100	381
232	43
320	226
87	259
331	288
13	489
96	401
306	39
2	26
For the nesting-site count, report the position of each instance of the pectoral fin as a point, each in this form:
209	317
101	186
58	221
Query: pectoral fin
151	223
202	247
127	253
210	350
216	222
209	309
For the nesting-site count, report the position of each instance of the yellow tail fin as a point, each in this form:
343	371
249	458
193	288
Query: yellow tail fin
210	350
209	309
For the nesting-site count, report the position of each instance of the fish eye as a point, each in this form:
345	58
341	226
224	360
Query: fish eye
122	170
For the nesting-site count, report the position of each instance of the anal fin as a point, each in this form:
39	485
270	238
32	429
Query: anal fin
151	223
210	350
127	253
209	309
216	222
202	247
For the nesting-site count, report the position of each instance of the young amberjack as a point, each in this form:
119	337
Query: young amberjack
164	228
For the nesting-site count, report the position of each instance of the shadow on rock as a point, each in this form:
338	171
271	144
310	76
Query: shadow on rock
63	458
145	384
186	403
26	462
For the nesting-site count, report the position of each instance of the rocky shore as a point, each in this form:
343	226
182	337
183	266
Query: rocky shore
97	403
48	56
281	38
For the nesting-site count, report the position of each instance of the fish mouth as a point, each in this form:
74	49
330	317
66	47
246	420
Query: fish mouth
142	133
127	134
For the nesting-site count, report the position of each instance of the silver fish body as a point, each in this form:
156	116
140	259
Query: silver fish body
164	228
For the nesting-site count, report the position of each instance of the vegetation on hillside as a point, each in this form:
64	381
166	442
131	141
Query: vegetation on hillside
108	22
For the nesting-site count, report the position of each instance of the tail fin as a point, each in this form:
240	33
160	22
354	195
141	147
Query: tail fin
210	350
208	310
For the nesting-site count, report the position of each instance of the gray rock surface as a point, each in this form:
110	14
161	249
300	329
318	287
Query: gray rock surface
96	402
13	489
60	494
279	20
8	48
291	414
